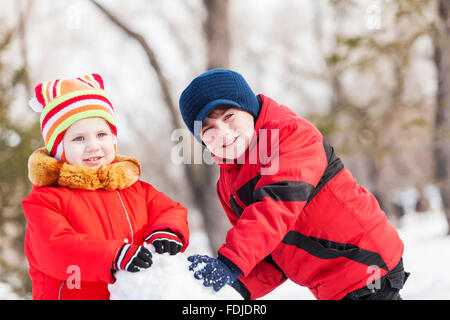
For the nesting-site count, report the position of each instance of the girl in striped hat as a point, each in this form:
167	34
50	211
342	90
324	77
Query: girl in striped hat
88	214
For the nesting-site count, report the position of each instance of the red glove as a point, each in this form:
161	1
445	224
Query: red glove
165	241
132	258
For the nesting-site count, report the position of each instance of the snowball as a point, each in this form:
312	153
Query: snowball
168	278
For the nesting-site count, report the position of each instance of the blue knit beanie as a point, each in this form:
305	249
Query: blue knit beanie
216	87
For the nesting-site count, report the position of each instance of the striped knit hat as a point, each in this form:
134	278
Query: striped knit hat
65	101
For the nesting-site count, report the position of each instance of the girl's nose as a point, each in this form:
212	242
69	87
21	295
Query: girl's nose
92	145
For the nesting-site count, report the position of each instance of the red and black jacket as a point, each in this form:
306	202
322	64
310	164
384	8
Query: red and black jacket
297	213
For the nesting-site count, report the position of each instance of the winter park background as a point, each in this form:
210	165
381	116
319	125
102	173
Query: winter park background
371	74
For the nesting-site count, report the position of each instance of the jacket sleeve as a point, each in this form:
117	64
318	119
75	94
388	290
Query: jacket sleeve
261	280
164	213
297	160
54	247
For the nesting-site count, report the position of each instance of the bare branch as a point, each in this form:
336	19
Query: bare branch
24	11
164	83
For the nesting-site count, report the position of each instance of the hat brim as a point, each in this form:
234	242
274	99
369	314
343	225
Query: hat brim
206	110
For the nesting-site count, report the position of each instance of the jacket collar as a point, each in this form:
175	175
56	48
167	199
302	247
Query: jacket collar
260	120
44	170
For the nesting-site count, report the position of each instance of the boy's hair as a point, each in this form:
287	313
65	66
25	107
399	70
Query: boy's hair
218	111
62	102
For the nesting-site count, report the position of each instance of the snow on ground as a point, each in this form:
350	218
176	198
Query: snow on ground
427	247
7	293
426	256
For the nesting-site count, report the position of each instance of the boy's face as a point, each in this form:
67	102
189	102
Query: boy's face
227	132
89	142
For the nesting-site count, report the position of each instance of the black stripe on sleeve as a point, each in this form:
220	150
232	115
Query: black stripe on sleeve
285	191
334	166
326	249
245	193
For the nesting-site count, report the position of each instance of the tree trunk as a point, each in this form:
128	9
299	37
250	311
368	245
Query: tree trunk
203	180
442	117
217	33
218	47
382	194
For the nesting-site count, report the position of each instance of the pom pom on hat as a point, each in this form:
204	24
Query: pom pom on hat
35	105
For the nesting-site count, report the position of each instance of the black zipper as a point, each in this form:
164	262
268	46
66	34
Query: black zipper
236	207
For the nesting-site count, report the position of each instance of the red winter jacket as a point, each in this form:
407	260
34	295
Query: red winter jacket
75	230
301	216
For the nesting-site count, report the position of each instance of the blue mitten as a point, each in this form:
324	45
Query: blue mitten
216	272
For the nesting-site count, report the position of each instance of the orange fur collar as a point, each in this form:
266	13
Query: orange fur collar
44	170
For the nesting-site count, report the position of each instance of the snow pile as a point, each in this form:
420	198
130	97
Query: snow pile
167	279
426	256
7	292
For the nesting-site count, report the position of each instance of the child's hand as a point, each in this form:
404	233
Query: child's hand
165	241
216	272
132	258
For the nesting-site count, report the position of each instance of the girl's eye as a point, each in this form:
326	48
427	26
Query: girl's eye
80	138
101	135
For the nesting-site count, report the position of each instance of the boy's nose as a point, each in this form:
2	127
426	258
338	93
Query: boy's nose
226	140
228	137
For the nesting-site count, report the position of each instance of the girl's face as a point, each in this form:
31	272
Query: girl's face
227	132
89	142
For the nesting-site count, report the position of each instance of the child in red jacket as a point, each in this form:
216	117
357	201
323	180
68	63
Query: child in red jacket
296	212
88	214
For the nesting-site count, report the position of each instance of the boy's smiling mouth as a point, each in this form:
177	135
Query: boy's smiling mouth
229	144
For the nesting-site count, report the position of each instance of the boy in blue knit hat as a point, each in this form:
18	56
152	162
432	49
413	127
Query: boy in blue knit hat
307	219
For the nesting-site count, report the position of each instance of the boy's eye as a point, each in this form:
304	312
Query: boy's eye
206	129
79	138
228	116
101	135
